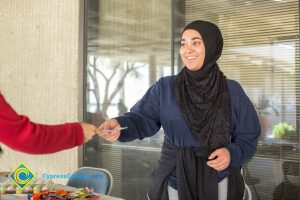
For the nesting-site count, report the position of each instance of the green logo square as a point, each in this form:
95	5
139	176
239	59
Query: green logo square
22	176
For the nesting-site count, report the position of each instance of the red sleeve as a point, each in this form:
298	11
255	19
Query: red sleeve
19	133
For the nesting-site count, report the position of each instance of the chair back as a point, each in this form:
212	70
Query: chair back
98	179
247	192
287	189
290	168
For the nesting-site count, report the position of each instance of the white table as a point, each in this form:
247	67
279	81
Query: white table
54	187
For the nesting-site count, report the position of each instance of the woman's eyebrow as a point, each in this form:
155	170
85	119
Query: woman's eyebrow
197	38
194	38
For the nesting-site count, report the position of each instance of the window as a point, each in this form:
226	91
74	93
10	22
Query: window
131	44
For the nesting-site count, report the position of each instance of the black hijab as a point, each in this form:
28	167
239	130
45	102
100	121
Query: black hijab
203	95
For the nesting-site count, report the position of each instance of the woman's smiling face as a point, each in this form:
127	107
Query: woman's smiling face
192	49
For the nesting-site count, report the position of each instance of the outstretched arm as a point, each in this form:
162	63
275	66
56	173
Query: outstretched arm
19	133
142	121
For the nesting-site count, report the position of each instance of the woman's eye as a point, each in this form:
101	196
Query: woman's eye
196	43
182	44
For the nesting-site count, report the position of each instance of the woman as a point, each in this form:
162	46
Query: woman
19	133
211	127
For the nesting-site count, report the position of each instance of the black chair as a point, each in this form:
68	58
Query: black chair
290	168
98	179
286	189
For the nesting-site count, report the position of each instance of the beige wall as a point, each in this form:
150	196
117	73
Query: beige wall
40	70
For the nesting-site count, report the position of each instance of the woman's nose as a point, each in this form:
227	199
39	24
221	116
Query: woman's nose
189	48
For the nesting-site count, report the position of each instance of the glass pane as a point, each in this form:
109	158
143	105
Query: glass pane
128	49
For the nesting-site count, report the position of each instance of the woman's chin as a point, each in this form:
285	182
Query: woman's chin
193	68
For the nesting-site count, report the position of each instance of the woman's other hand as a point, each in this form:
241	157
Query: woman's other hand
219	159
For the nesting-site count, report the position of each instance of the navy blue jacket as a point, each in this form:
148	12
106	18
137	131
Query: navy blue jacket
158	108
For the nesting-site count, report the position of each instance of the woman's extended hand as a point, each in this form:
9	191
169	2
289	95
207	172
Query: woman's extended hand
89	131
111	124
219	159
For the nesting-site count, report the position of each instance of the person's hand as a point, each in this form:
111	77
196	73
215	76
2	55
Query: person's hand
221	159
88	131
110	124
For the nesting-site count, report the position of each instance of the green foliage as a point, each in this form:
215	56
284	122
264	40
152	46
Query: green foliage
282	128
